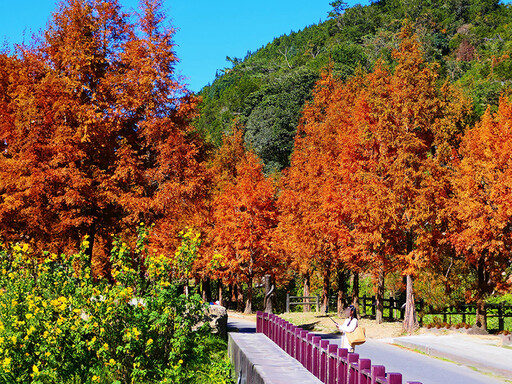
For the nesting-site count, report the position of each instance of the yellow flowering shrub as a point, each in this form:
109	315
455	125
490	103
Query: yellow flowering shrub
58	325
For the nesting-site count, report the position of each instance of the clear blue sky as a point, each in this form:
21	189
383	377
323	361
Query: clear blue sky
208	30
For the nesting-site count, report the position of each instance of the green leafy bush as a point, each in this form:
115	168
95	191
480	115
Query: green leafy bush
59	325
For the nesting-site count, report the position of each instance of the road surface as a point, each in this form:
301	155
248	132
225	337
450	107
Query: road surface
412	365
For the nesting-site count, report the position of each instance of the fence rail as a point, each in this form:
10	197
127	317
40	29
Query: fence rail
499	316
304	300
329	363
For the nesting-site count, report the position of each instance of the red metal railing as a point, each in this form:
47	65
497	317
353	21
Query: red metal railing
328	362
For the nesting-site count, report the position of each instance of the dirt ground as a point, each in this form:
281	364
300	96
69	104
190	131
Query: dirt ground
317	322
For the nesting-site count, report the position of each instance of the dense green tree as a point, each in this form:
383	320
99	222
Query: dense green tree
470	40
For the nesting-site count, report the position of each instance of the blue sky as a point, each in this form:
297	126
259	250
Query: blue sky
208	31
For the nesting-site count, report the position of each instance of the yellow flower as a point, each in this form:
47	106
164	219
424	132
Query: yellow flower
95	378
149	342
6	362
35	369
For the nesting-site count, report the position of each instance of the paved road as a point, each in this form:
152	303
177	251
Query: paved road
412	365
418	367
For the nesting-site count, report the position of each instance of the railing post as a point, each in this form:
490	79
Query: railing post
259	321
378	372
281	334
273	328
317	303
289	339
394	378
323	359
352	368
308	351
287	302
316	355
302	346
332	355
365	366
341	366
265	321
296	343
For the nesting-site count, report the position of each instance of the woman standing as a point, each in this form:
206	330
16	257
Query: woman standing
349	325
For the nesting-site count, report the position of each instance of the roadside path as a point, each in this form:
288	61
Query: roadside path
467	355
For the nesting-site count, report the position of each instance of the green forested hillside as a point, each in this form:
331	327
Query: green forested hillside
471	40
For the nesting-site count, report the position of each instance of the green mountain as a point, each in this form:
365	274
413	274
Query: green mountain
471	40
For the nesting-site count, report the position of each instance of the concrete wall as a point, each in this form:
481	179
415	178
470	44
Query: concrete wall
258	360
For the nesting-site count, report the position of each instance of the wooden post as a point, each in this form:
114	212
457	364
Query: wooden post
391	308
378	372
352	374
394	378
332	354
364	365
309	352
501	320
303	347
323	359
315	351
259	322
341	366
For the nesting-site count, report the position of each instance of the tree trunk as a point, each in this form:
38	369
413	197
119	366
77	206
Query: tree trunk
481	314
379	299
325	290
207	292
410	318
306	307
342	286
232	295
268	303
220	289
355	291
248	303
239	297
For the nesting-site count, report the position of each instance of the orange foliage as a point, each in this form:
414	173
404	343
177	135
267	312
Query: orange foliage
482	202
368	181
244	215
96	132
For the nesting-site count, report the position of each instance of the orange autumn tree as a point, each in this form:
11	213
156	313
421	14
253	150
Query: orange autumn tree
244	217
95	133
407	126
312	227
372	168
223	168
482	204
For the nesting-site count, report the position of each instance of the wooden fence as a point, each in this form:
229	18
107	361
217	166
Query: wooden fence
462	313
329	363
393	309
303	300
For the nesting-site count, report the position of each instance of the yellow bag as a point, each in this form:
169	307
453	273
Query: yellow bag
357	337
